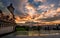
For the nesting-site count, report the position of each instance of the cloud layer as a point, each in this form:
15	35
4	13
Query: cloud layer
48	10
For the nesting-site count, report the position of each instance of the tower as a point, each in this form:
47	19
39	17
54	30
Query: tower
11	9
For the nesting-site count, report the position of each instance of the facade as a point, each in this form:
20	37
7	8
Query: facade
7	23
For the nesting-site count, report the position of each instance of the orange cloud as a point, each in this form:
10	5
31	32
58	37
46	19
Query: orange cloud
52	5
30	10
58	9
40	0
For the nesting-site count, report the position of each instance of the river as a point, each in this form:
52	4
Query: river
34	34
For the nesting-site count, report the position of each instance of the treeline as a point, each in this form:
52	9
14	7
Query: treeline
38	28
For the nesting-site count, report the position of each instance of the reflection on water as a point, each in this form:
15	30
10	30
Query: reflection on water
43	33
37	33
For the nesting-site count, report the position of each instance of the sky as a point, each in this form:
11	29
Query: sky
48	10
19	4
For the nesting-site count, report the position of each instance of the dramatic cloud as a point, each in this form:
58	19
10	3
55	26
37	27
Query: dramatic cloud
21	5
39	0
50	15
30	10
42	10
